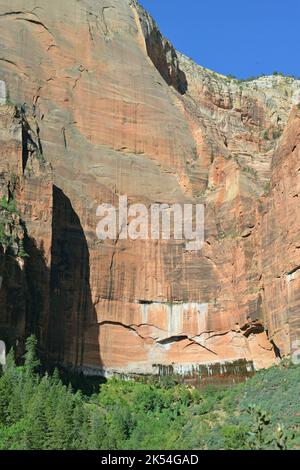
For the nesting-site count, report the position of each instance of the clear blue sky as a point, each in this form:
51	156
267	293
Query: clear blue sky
239	37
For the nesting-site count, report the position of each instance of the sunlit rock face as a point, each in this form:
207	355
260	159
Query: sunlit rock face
117	111
280	246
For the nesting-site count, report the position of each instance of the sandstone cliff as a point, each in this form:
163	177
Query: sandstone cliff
108	102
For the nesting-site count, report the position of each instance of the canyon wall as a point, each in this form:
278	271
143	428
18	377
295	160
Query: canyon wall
98	104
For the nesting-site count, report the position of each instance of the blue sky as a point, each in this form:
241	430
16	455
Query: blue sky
239	37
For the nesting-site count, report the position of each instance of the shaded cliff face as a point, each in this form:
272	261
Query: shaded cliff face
117	111
25	195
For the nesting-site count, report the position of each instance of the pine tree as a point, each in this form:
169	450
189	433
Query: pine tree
36	431
10	363
80	425
98	438
31	360
60	431
6	388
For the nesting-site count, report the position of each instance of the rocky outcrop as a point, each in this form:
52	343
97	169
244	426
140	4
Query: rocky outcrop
25	228
280	257
108	102
160	50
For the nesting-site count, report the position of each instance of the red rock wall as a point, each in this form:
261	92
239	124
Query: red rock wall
118	111
280	244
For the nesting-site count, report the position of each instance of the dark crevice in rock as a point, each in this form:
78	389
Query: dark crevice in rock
12	13
173	339
293	271
10	62
111	269
39	23
15	13
31	143
276	349
126	327
252	327
64	137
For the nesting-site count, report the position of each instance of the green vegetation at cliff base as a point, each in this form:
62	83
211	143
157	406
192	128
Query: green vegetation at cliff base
40	412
